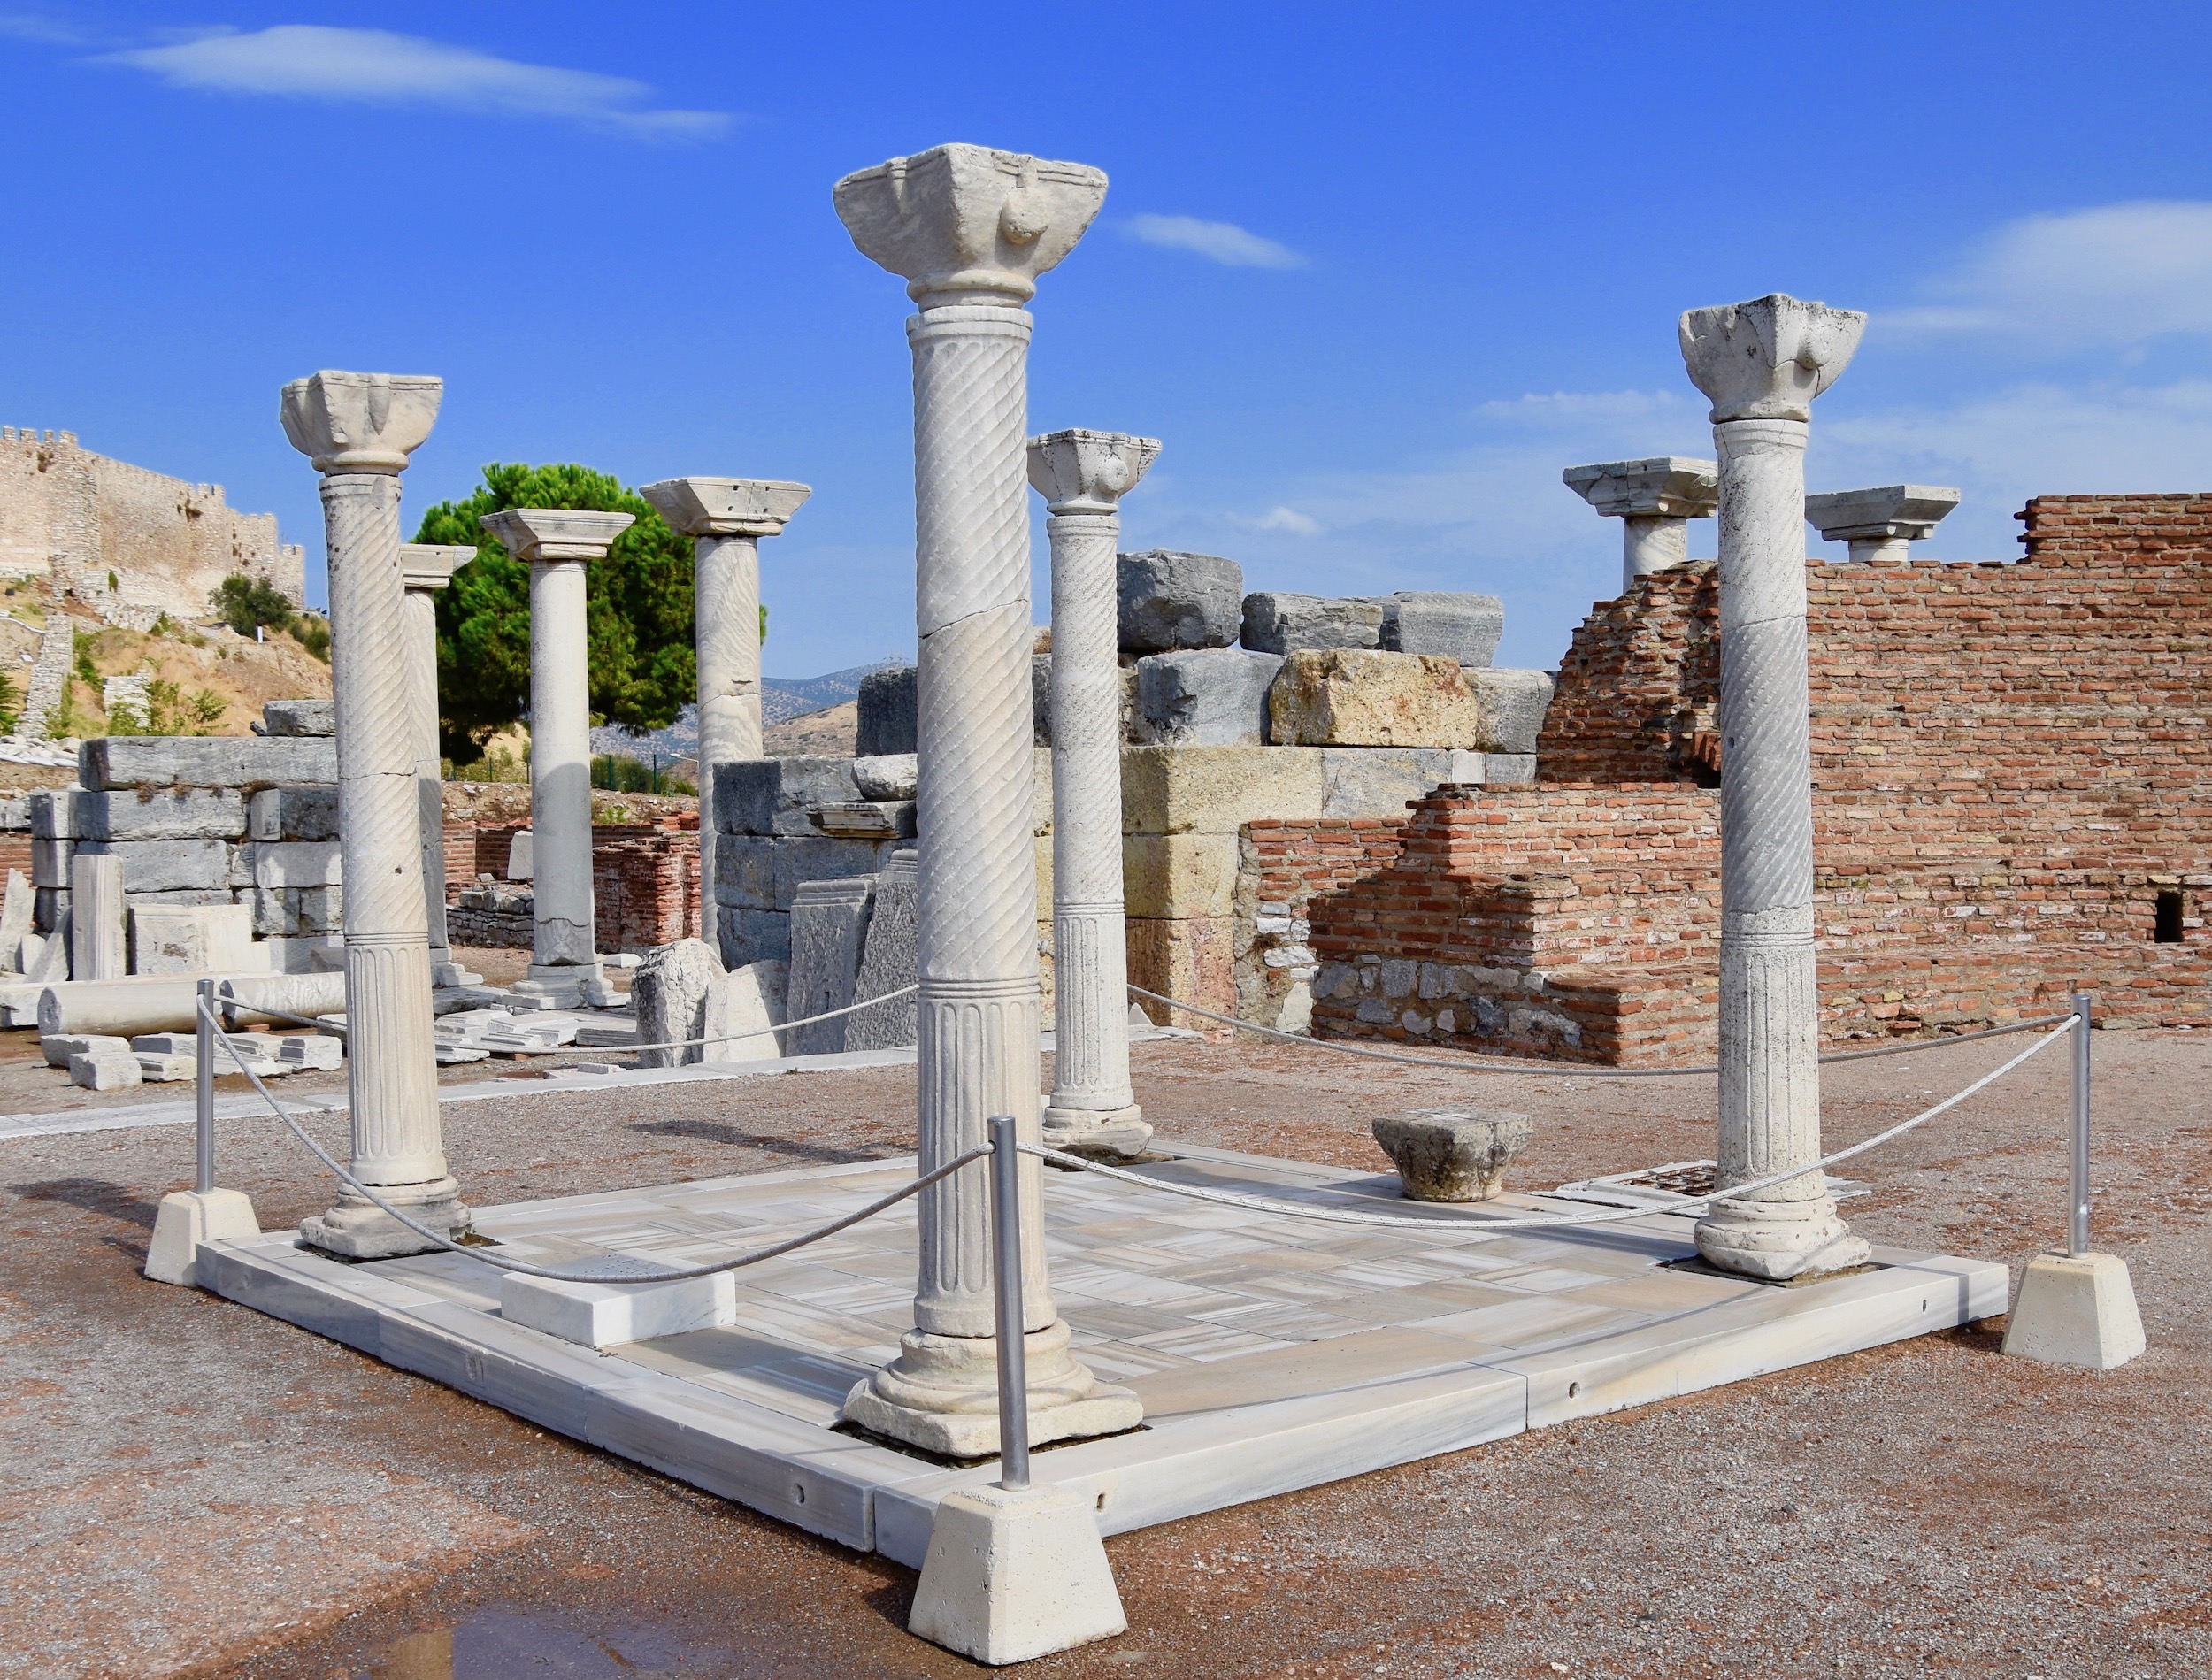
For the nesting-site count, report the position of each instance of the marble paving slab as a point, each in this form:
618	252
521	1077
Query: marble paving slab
1273	1352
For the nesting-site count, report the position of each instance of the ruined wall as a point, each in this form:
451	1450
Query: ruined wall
75	518
645	886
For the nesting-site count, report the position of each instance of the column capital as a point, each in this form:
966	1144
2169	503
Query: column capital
360	422
431	565
556	533
1911	511
969	224
1769	358
1669	487
727	507
1081	472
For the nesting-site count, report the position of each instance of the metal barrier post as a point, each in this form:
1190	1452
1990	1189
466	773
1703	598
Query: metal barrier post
2077	1209
1006	1261
204	1088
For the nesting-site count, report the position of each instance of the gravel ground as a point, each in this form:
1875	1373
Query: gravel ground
189	1487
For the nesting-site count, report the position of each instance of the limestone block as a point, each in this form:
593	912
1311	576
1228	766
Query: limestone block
16	914
1352	698
166	865
116	762
1013	1574
824	857
1204	697
1278	623
745	871
1378	781
829	923
280	863
669	997
304	953
1509	770
753	936
144	814
50	864
610	1314
50	961
1168	600
1513	707
888	776
98	945
1192	958
291	717
740	1006
1179	876
1216	790
773	795
888	959
186	1219
298	813
1453	1155
876	819
312	1051
298	912
207	938
522	856
166	1069
57	1048
2076	1310
104	1070
1465	627
888	714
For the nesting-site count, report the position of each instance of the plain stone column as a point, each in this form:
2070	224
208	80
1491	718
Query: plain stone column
969	229
726	519
1654	498
1762	363
426	568
359	429
1880	525
558	543
97	948
1083	476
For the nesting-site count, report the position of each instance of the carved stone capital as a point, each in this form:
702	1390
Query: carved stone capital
727	507
1670	486
969	224
431	565
556	533
360	422
1908	510
1080	472
1768	359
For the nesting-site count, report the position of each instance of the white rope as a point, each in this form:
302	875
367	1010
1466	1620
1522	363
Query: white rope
1479	1224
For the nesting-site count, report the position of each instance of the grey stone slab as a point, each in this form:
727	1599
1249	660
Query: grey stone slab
888	958
1509	770
15	812
822	857
668	994
116	762
753	936
1513	707
140	815
1204	697
296	717
280	863
829	924
889	713
166	865
301	812
1465	627
1278	623
773	795
1378	781
1168	599
49	864
745	871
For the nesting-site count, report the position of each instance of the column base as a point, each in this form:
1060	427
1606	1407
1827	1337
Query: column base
453	974
1778	1240
1111	1132
357	1228
941	1394
555	986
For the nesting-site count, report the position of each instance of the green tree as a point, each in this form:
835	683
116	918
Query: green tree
245	604
643	669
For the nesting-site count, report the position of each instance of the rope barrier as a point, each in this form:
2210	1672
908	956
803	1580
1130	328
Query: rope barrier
1480	1224
1544	1070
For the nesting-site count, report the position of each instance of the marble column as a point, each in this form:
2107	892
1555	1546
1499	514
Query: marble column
1083	476
1762	363
1654	498
426	568
359	429
969	229
726	519
1880	525
557	543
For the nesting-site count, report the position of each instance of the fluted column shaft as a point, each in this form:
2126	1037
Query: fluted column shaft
727	607
560	769
420	606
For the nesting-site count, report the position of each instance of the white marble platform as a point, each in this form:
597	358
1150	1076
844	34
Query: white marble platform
1271	1353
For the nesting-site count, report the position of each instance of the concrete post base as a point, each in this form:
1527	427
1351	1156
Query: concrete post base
359	1230
2076	1310
1113	1131
941	1394
187	1219
1015	1574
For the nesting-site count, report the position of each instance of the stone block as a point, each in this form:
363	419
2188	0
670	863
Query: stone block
50	867
142	814
294	717
1204	697
888	959
99	947
876	819
1216	790
186	1219
889	713
829	923
298	813
610	1314
1189	958
1169	600
206	939
741	1005
166	866
1010	1576
105	1070
304	953
1509	770
669	998
1177	876
888	776
50	961
2076	1309
775	795
753	936
18	914
281	863
1453	1155
1378	781
298	912
312	1052
1278	623
522	856
57	1048
205	761
1352	698
824	857
1513	707
745	871
1465	627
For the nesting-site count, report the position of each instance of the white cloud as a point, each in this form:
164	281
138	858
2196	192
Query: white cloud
1222	242
1298	525
376	66
1578	409
2116	275
50	32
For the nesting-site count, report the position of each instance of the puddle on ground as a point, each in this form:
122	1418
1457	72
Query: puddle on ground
516	1645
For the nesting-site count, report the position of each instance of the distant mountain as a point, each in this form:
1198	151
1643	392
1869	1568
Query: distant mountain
781	699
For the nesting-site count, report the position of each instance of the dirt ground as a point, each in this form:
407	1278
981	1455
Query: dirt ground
189	1487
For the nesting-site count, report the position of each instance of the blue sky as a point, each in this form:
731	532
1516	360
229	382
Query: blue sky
1374	274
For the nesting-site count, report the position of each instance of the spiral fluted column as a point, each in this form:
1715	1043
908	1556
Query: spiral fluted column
426	568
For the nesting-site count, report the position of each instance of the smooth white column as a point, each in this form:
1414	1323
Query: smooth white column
971	229
558	543
1083	476
726	518
1654	498
426	568
359	429
1762	363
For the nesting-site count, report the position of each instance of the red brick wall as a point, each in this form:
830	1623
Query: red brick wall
1282	866
645	876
